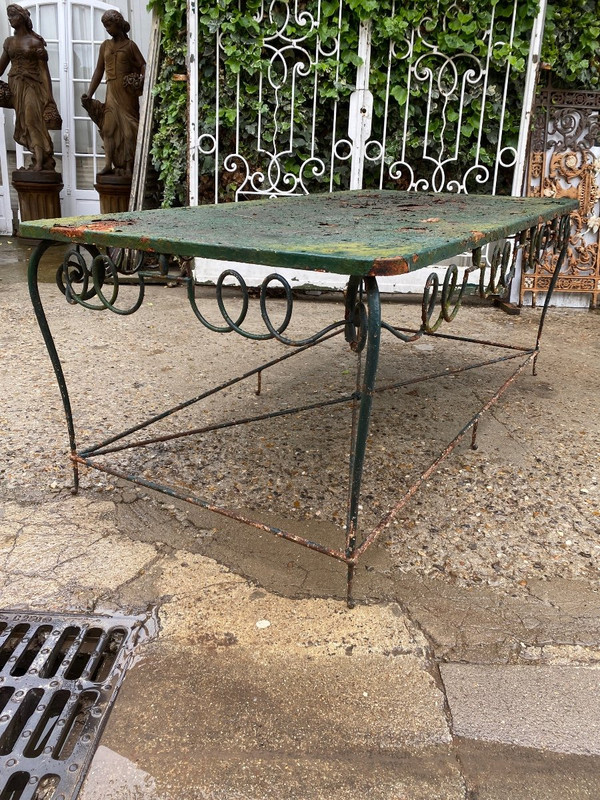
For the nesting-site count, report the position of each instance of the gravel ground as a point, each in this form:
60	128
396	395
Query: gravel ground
523	506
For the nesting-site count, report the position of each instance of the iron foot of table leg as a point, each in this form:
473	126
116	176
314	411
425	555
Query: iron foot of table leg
349	599
75	486
474	445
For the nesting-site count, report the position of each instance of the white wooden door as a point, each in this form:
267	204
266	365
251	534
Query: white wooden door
73	33
6	221
81	141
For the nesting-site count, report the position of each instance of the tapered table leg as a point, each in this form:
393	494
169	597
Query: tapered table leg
369	316
34	293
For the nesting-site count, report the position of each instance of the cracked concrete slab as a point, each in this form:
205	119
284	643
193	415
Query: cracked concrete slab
241	677
461	623
64	548
483	626
546	708
504	772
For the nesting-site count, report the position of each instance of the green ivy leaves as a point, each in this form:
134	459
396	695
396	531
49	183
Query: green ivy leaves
169	140
571	48
572	43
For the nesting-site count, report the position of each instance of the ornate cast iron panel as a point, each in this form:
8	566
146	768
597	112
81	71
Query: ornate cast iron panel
564	161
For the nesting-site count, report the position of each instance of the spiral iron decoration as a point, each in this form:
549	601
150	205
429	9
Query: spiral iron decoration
75	270
554	235
81	281
356	316
496	271
235	325
102	264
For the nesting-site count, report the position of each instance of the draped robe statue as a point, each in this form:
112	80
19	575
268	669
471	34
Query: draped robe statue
29	89
118	117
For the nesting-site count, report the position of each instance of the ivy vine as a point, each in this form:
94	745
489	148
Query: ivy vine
572	43
169	136
571	49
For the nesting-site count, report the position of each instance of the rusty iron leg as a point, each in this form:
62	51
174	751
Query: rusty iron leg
369	339
349	584
75	464
34	293
562	244
474	445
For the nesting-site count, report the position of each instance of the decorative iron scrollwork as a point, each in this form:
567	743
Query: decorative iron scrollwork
563	163
80	280
74	277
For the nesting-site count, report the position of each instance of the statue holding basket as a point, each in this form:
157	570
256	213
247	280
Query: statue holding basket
118	117
29	89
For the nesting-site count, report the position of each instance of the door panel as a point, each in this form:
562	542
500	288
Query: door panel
6	221
84	145
73	34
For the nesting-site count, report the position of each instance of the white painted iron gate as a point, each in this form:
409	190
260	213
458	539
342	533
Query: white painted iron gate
314	99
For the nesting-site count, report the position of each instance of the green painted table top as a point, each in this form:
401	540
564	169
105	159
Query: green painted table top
352	233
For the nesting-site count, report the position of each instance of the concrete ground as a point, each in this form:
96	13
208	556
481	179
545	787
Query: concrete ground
469	667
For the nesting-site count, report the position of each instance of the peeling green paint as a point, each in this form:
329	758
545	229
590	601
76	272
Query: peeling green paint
352	233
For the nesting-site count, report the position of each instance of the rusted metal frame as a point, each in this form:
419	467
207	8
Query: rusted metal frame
361	429
560	238
38	308
361	328
214	390
388	518
448	372
217	426
563	233
225	512
394	328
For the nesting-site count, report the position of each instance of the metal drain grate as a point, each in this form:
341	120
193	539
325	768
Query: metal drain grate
59	676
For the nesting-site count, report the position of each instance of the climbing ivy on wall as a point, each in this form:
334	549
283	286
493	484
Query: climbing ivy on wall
571	49
169	136
572	43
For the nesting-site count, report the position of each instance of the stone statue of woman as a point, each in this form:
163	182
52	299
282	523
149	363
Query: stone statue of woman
30	88
118	117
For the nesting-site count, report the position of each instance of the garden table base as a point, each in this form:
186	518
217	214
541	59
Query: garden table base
364	235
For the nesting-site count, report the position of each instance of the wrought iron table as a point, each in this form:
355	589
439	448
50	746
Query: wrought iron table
364	235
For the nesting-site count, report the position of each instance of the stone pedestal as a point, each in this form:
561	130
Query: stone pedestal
114	191
38	193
